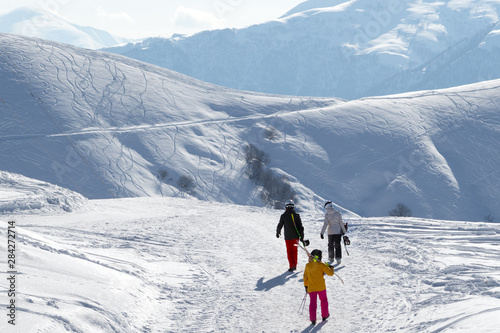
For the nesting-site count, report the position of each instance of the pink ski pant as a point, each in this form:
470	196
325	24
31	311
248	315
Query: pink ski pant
313	305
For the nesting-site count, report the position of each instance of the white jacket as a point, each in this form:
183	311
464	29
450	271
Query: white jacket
333	220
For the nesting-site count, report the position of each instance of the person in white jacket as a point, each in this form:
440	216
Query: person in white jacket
336	228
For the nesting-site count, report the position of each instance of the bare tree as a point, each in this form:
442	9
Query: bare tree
489	218
276	189
162	174
256	161
271	133
186	184
400	210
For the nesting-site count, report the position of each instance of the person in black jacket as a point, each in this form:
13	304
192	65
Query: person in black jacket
294	231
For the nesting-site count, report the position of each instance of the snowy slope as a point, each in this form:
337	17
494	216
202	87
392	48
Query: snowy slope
179	265
36	22
347	49
107	126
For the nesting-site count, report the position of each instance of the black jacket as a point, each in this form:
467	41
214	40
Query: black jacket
287	222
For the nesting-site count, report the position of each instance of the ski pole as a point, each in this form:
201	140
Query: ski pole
346	242
303	304
304	248
297	230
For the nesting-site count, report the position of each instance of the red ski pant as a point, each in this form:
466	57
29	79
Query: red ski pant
313	305
291	251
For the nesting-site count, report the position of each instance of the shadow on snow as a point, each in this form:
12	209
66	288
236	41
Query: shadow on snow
312	328
274	282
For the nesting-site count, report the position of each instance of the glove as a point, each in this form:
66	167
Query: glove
306	288
277	235
346	240
322	237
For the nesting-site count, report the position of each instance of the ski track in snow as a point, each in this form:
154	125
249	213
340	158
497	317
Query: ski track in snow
73	72
177	265
124	121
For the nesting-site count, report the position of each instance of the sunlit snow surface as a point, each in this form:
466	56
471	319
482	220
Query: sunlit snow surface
183	265
109	127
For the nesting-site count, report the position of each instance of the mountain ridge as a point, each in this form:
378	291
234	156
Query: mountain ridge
350	50
37	22
312	4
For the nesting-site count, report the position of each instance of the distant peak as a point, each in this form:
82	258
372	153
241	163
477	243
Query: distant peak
24	14
34	21
28	11
313	4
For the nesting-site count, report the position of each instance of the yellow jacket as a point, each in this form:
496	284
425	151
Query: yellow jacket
314	278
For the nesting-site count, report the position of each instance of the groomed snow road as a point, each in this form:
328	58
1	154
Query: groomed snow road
180	265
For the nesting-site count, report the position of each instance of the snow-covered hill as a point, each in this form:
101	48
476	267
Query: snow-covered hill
178	265
347	49
107	126
36	22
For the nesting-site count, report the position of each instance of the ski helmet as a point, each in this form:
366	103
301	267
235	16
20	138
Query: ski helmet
328	204
289	204
317	254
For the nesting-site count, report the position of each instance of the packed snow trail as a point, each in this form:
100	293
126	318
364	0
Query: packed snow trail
180	265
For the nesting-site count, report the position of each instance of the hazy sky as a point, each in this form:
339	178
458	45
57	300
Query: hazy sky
147	18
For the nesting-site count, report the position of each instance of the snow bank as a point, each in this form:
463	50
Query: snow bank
20	194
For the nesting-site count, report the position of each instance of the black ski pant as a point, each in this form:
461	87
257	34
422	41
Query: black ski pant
334	246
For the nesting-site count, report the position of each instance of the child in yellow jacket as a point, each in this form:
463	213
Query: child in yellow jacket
314	282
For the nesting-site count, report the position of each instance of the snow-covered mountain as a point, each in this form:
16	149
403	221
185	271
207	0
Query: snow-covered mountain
347	49
36	22
178	265
108	126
